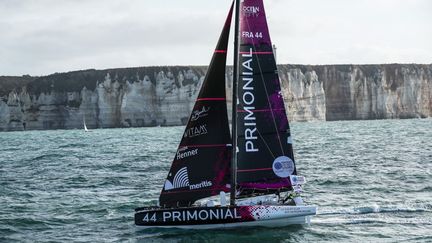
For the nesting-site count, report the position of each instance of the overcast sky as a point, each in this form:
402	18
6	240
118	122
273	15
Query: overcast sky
40	37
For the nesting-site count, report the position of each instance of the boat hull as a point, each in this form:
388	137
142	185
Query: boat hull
224	217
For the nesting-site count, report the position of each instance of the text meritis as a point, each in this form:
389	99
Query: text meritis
248	103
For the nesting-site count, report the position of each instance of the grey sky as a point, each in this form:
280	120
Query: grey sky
40	37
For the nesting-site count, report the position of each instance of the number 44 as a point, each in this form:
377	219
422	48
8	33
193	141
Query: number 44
146	217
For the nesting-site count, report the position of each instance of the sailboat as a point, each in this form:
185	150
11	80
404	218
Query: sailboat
210	184
85	126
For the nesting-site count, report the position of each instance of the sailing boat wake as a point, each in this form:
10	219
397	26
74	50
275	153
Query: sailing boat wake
375	208
260	174
375	214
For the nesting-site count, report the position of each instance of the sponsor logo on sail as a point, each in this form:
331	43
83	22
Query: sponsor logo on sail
283	166
195	131
251	35
248	100
197	114
185	153
181	179
251	11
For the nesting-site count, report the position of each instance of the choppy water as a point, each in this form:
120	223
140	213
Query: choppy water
372	181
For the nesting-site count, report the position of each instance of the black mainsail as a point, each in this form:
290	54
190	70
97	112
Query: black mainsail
201	167
265	157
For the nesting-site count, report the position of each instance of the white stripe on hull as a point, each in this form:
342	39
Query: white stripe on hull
280	222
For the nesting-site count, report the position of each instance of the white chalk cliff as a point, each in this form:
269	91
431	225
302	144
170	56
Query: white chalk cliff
152	96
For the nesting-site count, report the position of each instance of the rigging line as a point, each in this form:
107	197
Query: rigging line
265	88
266	144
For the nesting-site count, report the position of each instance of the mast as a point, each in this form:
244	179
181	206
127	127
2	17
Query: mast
234	106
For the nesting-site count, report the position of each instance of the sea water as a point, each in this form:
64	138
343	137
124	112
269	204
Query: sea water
372	182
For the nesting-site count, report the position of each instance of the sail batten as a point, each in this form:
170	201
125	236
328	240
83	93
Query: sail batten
204	145
211	99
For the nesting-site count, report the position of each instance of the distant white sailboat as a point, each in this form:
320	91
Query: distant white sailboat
85	127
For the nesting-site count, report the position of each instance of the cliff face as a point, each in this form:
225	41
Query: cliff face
151	96
377	91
